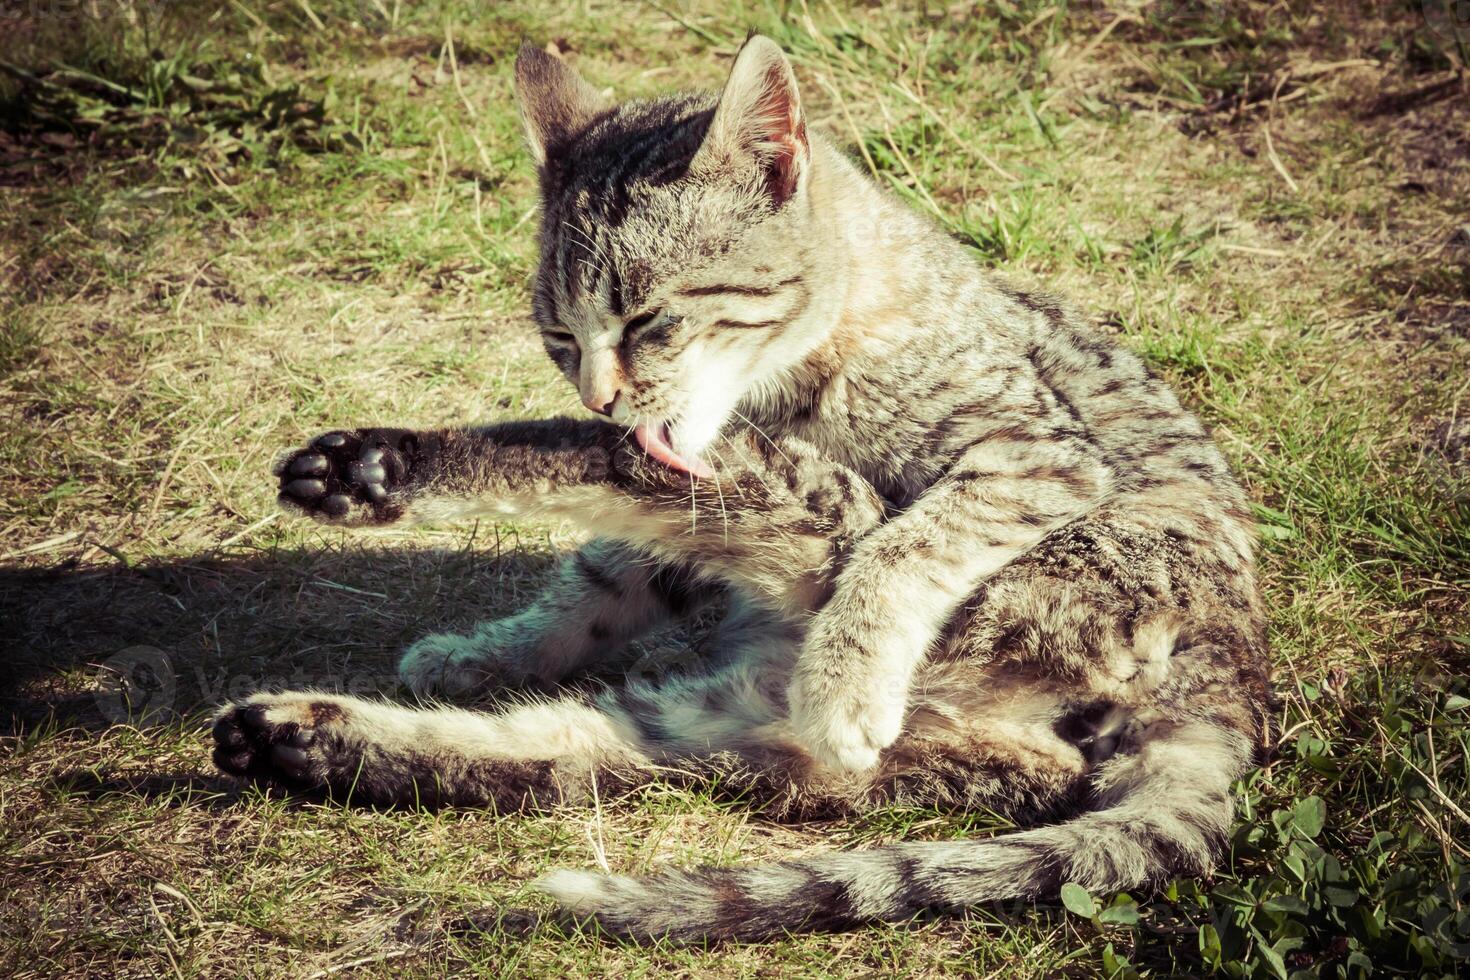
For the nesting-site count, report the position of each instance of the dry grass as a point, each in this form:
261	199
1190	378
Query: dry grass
1270	205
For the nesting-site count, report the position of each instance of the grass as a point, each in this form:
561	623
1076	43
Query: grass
226	227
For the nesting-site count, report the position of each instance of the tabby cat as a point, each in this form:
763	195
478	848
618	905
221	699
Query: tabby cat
969	553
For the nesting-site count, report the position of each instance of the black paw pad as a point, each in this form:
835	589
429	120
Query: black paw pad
248	744
306	489
358	474
310	464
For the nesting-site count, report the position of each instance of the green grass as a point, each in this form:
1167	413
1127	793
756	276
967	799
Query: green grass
226	227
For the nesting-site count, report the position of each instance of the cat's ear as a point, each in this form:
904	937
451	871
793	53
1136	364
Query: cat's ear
759	121
556	104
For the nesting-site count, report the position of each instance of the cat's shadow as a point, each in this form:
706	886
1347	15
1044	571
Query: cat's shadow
161	643
194	790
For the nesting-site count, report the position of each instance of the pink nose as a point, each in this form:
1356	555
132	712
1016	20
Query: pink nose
600	400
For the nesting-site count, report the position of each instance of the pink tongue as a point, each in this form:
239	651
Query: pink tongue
651	437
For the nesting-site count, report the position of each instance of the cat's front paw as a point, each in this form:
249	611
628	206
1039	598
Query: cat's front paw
296	740
846	728
350	477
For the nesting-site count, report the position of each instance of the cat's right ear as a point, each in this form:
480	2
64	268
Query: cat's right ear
556	104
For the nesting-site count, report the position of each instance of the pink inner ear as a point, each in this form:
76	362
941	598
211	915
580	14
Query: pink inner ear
782	131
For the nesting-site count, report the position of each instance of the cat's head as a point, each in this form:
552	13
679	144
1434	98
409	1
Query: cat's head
677	268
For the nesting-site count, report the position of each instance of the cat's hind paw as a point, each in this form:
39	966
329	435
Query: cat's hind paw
349	477
456	667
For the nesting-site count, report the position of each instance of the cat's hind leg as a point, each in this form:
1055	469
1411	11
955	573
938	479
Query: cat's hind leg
534	754
601	598
967	744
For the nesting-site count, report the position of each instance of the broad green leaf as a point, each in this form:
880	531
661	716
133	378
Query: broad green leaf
1309	816
1273	959
1285	903
1077	901
1119	915
1209	945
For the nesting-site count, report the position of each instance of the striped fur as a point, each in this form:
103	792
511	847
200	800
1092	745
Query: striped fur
970	553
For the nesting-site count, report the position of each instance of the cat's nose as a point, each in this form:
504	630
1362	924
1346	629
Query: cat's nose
600	403
600	381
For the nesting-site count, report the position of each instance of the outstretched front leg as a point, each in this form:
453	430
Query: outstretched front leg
605	595
774	519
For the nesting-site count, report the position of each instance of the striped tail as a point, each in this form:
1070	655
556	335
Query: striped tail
1164	810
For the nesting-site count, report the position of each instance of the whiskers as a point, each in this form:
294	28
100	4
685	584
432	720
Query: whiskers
634	421
762	433
719	492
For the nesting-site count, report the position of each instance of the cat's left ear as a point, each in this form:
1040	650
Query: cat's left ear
759	121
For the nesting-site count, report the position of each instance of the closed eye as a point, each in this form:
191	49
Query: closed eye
640	321
560	337
646	325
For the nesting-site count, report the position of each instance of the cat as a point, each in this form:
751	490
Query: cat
970	553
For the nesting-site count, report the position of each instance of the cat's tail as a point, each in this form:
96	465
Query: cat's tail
1161	810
